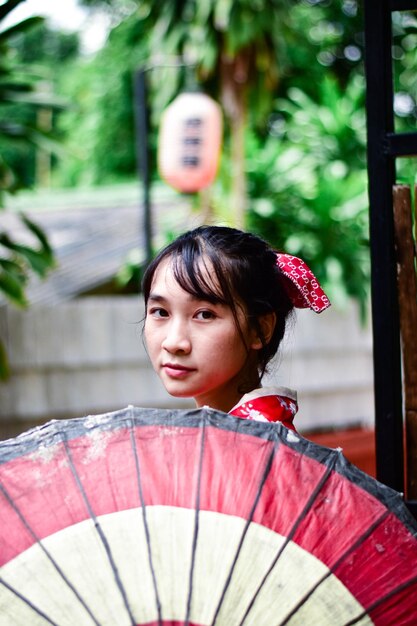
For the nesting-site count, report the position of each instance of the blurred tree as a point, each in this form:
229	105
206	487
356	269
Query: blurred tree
235	46
308	184
42	54
100	124
19	86
304	157
327	38
45	47
241	53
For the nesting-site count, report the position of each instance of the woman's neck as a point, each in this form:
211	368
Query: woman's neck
225	398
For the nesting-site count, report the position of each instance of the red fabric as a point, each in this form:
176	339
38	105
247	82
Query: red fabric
272	407
302	286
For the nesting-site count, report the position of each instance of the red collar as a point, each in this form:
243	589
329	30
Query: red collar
268	404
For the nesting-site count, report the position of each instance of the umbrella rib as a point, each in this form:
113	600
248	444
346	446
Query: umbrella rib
292	532
28	602
47	553
145	523
264	476
100	532
387	596
331	570
196	523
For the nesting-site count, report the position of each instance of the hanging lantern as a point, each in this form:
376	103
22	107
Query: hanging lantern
189	142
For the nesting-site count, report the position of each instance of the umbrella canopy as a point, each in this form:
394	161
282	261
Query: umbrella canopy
196	517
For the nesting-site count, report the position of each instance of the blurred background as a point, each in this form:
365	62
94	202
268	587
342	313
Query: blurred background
83	200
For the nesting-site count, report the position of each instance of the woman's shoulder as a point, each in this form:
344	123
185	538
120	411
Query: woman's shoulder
268	404
264	392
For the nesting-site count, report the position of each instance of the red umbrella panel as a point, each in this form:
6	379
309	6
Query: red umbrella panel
195	517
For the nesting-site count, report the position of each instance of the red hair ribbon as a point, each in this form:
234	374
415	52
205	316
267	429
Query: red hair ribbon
302	286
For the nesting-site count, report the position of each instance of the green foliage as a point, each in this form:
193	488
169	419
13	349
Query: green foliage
298	68
327	38
21	260
305	152
25	91
405	62
100	124
237	48
17	262
19	99
46	48
308	185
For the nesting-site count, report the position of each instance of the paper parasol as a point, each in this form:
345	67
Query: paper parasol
153	517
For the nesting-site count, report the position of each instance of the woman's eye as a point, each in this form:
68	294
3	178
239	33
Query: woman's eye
205	315
158	312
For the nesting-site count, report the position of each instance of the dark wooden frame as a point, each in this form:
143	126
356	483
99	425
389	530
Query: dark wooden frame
384	147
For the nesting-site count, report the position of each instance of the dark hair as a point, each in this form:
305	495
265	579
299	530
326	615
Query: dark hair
245	274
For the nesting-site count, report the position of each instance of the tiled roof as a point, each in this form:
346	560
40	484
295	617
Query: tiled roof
90	244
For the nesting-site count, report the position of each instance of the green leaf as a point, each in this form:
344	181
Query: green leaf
20	27
4	364
36	98
39	234
9	86
8	6
12	129
13	289
39	260
46	142
222	11
13	268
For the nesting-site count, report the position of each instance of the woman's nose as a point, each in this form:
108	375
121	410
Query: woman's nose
176	339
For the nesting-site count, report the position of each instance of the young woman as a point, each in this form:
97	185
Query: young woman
217	305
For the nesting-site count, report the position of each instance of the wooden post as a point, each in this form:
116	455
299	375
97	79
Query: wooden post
141	109
43	156
407	294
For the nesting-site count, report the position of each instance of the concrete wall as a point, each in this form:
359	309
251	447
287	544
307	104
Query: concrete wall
328	359
87	356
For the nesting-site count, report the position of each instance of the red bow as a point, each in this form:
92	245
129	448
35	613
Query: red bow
303	288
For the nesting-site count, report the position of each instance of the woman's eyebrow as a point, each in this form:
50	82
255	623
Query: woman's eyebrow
155	297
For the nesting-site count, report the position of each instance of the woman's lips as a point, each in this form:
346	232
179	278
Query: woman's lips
176	371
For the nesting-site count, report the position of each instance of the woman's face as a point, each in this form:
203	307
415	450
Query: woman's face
195	346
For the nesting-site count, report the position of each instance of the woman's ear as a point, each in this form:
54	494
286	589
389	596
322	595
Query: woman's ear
267	325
